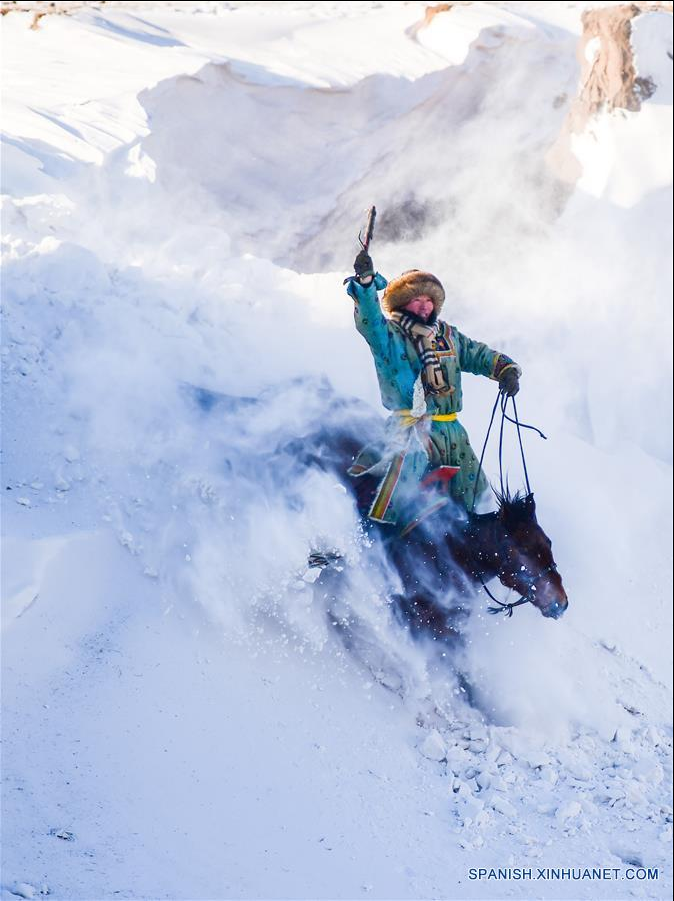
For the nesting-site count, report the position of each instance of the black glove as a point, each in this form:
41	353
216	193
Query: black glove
509	383
362	266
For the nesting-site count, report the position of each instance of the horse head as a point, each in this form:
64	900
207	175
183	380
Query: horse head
525	562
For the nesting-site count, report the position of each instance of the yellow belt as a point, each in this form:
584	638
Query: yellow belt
407	419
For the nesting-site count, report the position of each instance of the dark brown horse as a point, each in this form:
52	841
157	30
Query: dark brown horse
448	558
442	563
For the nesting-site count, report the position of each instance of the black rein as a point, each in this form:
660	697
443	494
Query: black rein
502	399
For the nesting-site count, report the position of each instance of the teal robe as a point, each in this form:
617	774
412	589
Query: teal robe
410	452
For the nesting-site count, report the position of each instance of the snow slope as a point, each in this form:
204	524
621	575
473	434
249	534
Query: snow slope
181	192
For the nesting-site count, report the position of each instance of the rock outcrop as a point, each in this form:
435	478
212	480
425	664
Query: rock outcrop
608	76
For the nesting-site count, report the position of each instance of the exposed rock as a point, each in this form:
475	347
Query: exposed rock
608	77
432	11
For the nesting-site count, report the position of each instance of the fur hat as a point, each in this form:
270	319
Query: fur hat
410	284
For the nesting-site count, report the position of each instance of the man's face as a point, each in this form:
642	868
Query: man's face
421	306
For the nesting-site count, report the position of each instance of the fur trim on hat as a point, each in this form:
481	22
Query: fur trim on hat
409	285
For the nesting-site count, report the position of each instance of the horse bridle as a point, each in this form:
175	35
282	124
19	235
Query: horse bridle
527	598
502	399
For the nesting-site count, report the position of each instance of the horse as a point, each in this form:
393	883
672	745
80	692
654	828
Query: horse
445	560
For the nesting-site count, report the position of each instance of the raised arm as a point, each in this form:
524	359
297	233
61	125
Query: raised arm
370	321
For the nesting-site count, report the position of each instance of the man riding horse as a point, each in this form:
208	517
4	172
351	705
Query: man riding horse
419	359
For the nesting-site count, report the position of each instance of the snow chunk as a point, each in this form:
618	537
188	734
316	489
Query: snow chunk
502	805
126	539
433	746
648	771
141	165
24	890
478	733
592	49
537	759
71	453
457	759
472	810
461	788
548	774
498	784
311	575
623	738
568	811
484	779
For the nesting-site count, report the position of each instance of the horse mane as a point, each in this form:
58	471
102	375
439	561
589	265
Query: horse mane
506	498
513	505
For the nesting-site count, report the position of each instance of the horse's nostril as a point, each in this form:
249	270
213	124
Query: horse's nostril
556	610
